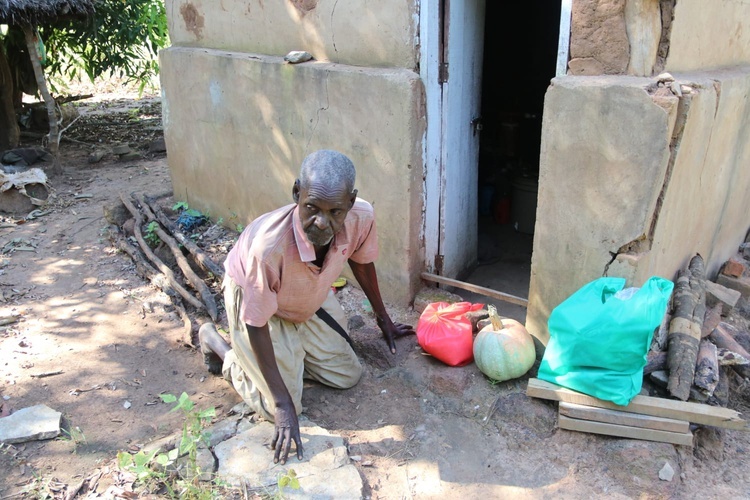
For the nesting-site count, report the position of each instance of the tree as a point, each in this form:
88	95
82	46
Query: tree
121	37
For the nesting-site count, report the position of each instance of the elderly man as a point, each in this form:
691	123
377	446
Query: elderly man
284	321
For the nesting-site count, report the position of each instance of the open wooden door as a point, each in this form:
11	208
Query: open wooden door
460	78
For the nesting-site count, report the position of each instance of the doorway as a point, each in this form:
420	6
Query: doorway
520	57
520	52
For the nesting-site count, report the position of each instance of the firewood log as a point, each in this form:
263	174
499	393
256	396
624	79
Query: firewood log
655	361
685	328
707	368
721	337
711	320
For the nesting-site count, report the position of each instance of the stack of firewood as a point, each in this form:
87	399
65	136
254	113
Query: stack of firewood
695	354
129	220
694	358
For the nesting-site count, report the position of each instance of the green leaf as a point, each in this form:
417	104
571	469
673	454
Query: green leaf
162	459
193	213
124	459
168	398
284	481
173	454
207	413
180	205
294	483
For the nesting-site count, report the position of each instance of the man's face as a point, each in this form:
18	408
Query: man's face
322	210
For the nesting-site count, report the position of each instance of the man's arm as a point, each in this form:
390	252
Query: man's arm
285	419
367	278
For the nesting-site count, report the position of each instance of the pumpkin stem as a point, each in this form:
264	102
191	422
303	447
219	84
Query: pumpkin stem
497	322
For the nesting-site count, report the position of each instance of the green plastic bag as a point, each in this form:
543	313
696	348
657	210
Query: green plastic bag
600	335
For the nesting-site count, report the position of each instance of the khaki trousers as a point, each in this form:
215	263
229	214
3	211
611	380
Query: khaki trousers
310	350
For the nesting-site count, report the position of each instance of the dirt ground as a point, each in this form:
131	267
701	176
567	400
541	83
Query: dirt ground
418	429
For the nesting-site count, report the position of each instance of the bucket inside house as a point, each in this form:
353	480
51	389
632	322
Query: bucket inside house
523	206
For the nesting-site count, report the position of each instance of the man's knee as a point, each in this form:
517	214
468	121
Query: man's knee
351	377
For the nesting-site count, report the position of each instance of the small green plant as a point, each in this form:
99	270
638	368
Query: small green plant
180	206
75	435
151	237
240	228
288	479
158	468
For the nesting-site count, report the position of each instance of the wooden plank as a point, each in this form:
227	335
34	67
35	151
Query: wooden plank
605	415
488	292
573	424
659	407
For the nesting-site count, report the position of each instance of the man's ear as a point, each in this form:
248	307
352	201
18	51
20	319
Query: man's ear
352	199
295	191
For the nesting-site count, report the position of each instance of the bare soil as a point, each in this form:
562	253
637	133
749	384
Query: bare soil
415	427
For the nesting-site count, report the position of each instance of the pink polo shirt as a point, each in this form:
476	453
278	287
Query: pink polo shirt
273	263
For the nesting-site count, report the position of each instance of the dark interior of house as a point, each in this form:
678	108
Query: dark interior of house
520	55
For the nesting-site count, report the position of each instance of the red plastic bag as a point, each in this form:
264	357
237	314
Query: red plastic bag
445	332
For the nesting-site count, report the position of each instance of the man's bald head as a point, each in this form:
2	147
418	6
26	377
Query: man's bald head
328	167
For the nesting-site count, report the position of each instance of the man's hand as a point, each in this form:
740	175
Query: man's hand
392	331
286	430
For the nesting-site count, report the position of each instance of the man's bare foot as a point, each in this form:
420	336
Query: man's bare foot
213	347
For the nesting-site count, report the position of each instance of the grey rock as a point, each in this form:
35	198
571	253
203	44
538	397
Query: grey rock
133	155
121	149
666	473
298	56
242	409
324	472
245	424
96	156
30	424
221	431
157	146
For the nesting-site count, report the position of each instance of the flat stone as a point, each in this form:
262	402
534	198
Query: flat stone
96	156
30	424
157	146
324	472
727	297
734	267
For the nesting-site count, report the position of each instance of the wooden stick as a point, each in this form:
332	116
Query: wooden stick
645	405
153	258
46	374
488	292
685	328
200	256
10	319
197	283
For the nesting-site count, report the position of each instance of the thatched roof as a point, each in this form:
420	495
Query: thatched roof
36	12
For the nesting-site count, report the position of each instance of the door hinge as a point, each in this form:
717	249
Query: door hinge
439	259
443	73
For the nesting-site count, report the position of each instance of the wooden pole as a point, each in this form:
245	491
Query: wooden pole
487	292
54	126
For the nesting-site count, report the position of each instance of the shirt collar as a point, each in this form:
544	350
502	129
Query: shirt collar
304	247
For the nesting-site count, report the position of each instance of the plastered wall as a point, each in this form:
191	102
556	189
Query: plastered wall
355	32
635	180
237	127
